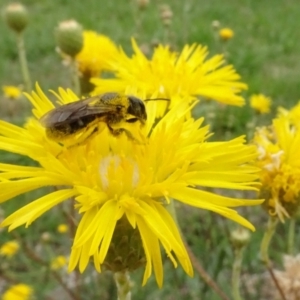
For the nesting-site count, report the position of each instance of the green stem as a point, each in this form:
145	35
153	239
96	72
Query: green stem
123	285
75	77
291	236
264	252
23	62
236	272
264	247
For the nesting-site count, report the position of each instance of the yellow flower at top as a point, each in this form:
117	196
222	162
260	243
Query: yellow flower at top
9	249
12	92
18	292
279	160
97	53
226	34
122	188
188	74
260	103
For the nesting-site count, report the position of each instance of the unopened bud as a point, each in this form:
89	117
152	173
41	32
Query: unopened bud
126	250
69	37
46	236
142	4
215	24
166	14
16	17
240	237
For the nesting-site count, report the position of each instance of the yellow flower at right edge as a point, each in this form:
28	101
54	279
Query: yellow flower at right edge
122	189
279	160
293	114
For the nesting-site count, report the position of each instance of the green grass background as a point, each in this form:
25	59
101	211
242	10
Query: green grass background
264	50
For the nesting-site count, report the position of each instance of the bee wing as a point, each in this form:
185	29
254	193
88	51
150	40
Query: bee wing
72	111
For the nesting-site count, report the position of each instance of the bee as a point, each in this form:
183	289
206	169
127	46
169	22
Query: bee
83	117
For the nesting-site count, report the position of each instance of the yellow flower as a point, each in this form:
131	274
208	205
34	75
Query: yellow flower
58	262
279	160
12	92
226	34
96	55
293	114
260	103
62	228
122	189
9	249
173	75
18	292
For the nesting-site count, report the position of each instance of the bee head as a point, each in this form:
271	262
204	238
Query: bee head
136	108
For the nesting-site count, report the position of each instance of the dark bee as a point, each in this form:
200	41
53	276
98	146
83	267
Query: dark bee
83	117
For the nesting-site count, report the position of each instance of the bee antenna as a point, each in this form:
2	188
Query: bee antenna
154	99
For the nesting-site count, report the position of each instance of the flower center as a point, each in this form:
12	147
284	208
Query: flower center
118	174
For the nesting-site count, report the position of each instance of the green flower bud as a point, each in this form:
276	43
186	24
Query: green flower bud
126	252
240	237
69	37
16	17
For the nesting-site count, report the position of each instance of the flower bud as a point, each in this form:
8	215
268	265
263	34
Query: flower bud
166	14
126	250
240	237
16	17
69	37
215	24
46	237
142	4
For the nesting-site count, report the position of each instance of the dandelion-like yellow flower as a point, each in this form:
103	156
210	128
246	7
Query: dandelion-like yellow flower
18	292
260	103
96	55
293	114
122	188
12	92
279	160
226	34
9	249
58	262
62	228
169	74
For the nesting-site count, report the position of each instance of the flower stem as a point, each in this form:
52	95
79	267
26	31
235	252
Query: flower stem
236	271
123	285
75	77
291	237
264	252
264	247
23	62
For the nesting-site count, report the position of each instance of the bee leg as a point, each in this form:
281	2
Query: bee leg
85	137
115	132
118	131
81	140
